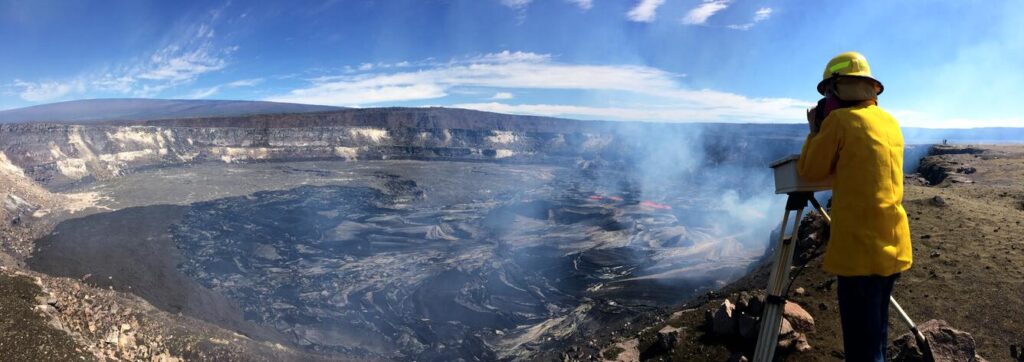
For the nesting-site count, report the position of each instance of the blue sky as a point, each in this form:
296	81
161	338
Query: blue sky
944	64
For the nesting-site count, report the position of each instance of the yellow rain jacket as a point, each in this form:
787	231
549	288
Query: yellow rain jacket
862	148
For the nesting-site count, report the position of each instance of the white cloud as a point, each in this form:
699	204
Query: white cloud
506	56
665	99
503	96
46	91
760	15
174	65
700	14
500	70
909	118
117	82
698	110
246	83
516	4
356	94
645	11
582	4
205	31
206	92
178	62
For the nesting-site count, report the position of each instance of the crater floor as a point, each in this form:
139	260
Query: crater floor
398	259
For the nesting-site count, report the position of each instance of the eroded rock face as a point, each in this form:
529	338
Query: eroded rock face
62	154
954	150
946	164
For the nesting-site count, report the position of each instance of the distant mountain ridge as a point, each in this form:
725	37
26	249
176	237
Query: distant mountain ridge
87	110
229	113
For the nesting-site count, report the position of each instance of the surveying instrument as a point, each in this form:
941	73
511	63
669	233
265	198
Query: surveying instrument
799	192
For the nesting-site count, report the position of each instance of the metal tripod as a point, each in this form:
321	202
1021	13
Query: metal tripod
778	282
771	317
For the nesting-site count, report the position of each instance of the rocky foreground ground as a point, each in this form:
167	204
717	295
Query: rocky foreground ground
966	288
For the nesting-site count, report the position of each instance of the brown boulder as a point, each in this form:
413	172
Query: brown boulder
802	321
787	336
801	344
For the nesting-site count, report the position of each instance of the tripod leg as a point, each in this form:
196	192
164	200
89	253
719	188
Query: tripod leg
771	317
821	210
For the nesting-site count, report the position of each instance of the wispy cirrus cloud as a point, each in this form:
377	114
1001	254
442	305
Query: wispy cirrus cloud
582	4
206	92
658	94
47	90
519	6
645	11
516	4
497	70
172	64
701	106
700	14
502	96
181	61
760	15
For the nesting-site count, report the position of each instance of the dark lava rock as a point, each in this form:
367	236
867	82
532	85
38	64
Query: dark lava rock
1017	352
748	327
954	150
947	344
967	170
938	169
938	201
669	337
750	303
722	322
737	357
25	334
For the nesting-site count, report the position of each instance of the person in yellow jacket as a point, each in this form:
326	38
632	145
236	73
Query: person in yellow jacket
861	147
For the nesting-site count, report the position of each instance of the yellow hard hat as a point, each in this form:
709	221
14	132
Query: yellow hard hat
849	64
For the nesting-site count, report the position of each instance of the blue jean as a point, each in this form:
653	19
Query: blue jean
864	312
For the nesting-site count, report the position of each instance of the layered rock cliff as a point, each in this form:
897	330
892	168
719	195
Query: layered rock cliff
60	154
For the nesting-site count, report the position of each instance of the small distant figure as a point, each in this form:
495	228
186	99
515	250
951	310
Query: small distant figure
944	142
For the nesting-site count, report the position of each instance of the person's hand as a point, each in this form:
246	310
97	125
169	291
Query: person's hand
811	112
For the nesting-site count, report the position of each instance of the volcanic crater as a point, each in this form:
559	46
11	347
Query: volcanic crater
404	233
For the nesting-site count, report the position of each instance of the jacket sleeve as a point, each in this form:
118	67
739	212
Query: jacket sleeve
821	150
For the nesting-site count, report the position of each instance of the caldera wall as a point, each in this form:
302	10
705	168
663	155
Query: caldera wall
56	154
60	154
